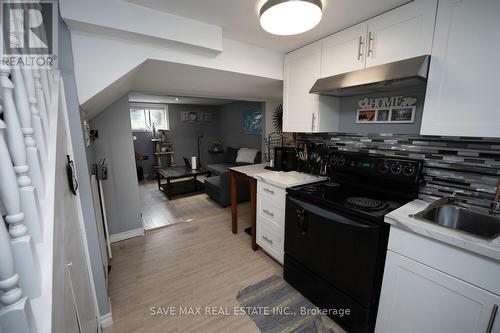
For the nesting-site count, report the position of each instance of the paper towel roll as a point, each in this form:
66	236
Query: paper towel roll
193	163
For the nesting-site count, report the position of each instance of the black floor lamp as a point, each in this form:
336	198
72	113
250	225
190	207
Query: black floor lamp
198	140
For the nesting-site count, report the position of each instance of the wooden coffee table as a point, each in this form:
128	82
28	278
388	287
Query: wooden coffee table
180	187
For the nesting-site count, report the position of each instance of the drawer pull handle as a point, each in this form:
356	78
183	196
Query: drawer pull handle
268	212
267	240
492	318
268	190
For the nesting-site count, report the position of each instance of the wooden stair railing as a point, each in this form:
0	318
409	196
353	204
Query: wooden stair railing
28	107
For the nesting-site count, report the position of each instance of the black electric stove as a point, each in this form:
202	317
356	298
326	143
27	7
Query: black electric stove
371	205
335	238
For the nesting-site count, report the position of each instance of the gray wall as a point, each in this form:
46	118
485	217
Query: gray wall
182	135
226	125
121	189
348	113
144	146
231	118
80	157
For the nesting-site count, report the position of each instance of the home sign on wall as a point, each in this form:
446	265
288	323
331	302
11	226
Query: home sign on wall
395	109
196	116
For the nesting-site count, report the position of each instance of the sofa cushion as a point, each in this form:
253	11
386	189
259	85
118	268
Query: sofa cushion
258	158
219	168
230	155
213	181
246	155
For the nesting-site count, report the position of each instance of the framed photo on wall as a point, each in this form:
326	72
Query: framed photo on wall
387	110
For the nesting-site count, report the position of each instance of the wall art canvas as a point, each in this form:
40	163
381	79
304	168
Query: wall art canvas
252	122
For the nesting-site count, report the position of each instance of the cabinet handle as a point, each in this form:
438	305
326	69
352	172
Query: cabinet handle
492	318
360	48
370	40
268	212
267	240
268	190
313	121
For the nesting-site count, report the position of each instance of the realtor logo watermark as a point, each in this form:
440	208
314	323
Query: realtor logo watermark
29	34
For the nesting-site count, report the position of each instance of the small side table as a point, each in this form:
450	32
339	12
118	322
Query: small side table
216	155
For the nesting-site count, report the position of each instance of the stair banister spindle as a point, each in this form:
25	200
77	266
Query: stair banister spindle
9	279
46	90
18	153
9	190
42	108
25	117
26	260
21	100
36	120
28	75
15	138
16	314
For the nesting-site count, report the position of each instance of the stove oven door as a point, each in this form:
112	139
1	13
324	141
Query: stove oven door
343	251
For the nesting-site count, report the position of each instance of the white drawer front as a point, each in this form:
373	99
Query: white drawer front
270	239
273	192
270	210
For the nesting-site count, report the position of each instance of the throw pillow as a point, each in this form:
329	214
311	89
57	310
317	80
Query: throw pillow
230	156
246	155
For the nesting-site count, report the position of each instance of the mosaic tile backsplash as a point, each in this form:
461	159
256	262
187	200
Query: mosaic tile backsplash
470	167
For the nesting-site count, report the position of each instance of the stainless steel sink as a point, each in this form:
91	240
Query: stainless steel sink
459	218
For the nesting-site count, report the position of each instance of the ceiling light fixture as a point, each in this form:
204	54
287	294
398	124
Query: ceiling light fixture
290	17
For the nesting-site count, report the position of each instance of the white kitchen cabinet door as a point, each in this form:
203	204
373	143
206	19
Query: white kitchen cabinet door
463	83
402	33
417	298
344	51
302	69
302	111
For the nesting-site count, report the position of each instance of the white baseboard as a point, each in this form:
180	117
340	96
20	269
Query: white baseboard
106	320
126	235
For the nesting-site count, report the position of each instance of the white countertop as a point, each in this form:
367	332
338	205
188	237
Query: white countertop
287	179
400	218
252	169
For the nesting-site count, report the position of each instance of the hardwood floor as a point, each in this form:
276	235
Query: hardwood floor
200	263
158	211
197	263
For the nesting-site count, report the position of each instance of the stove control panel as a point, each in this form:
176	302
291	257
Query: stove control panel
394	168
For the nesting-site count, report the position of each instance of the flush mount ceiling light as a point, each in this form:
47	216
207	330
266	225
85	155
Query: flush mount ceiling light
290	17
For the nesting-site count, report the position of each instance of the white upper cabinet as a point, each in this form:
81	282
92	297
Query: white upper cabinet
302	111
402	33
344	51
463	84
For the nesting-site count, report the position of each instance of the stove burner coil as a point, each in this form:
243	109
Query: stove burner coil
311	189
330	185
366	203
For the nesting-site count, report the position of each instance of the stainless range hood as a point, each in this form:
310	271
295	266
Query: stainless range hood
400	75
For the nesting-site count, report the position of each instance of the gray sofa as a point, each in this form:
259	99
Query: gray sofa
218	187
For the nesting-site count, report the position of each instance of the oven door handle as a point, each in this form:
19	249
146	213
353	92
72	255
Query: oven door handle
306	207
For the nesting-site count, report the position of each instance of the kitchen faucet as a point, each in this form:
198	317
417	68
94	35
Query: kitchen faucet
495	205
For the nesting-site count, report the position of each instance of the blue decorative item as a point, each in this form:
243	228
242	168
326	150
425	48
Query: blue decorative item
252	122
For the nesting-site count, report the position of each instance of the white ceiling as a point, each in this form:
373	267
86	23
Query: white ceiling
163	78
240	18
140	97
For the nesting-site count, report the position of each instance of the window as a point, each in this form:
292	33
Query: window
142	118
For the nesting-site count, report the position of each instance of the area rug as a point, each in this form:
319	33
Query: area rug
275	306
